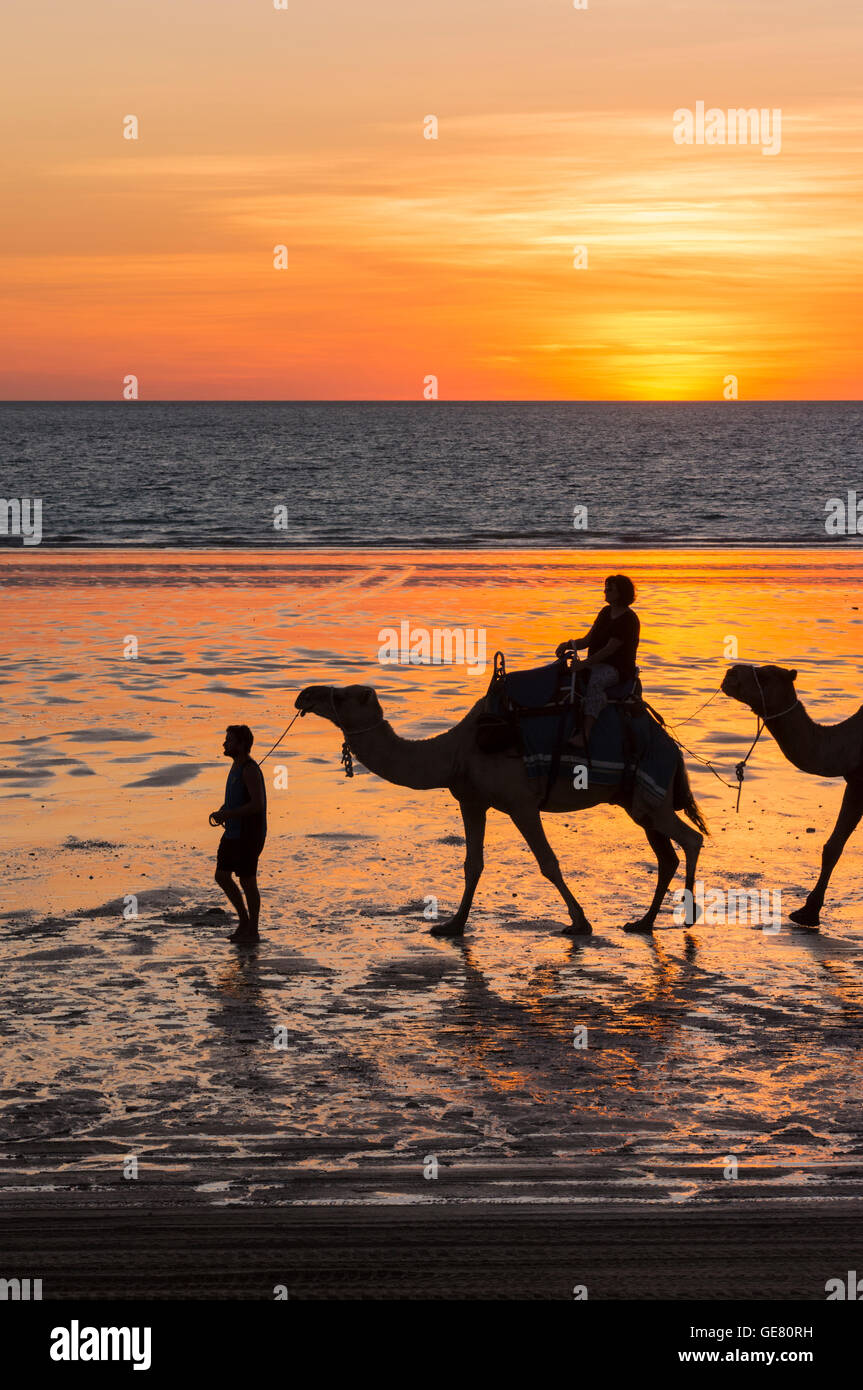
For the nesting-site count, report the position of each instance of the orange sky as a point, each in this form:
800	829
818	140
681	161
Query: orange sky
411	257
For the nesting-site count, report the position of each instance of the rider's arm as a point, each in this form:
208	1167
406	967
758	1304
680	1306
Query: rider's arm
574	644
604	653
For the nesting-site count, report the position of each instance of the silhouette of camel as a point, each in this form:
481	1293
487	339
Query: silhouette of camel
483	781
825	750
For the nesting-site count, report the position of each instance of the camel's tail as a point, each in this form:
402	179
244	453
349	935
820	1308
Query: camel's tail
684	800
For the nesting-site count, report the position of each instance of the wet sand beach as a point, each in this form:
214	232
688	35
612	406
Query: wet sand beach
150	1038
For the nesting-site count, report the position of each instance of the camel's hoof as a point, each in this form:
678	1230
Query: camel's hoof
582	928
805	917
643	927
448	928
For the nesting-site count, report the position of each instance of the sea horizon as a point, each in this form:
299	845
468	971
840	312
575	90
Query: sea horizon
428	405
297	475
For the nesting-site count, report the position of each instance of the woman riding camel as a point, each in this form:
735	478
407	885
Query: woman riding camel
611	646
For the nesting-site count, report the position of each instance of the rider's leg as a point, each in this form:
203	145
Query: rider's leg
595	699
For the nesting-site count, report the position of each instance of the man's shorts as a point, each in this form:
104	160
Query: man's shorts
239	857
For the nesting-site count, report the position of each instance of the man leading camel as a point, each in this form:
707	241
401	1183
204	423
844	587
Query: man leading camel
244	816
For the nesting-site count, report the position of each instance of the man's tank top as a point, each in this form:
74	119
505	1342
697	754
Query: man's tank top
237	794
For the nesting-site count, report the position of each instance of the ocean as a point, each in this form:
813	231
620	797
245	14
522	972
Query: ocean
432	474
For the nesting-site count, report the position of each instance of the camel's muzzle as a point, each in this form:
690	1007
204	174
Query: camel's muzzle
312	696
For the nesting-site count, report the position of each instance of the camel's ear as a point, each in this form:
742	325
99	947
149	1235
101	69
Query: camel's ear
793	675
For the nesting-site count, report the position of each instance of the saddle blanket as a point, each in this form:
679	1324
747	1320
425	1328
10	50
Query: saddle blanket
646	745
652	751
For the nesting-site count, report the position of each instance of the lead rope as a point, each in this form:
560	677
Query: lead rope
347	761
689	720
705	762
740	767
299	714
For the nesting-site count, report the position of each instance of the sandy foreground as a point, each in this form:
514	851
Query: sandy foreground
739	1253
155	1076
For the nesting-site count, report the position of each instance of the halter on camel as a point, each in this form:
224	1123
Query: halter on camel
761	720
346	759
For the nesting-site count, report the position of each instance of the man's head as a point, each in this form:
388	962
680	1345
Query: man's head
238	741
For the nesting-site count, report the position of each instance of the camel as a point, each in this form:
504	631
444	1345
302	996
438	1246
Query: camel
483	781
825	750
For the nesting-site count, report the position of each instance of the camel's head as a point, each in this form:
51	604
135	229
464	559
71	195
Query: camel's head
766	690
349	708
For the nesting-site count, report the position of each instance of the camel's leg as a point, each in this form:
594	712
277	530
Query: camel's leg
667	822
666	867
473	814
690	842
850	812
529	823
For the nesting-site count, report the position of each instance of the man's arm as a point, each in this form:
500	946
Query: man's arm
253	779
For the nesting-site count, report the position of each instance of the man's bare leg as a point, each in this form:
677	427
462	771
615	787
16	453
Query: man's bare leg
232	891
253	899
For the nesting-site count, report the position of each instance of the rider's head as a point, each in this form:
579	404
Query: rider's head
619	589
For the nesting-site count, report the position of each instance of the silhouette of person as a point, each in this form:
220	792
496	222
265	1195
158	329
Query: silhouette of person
612	643
244	816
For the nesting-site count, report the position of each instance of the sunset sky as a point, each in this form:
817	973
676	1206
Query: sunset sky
411	257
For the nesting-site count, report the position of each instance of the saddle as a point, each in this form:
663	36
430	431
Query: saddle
553	692
547	691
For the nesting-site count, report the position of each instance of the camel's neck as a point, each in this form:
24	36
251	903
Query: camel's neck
827	750
418	763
